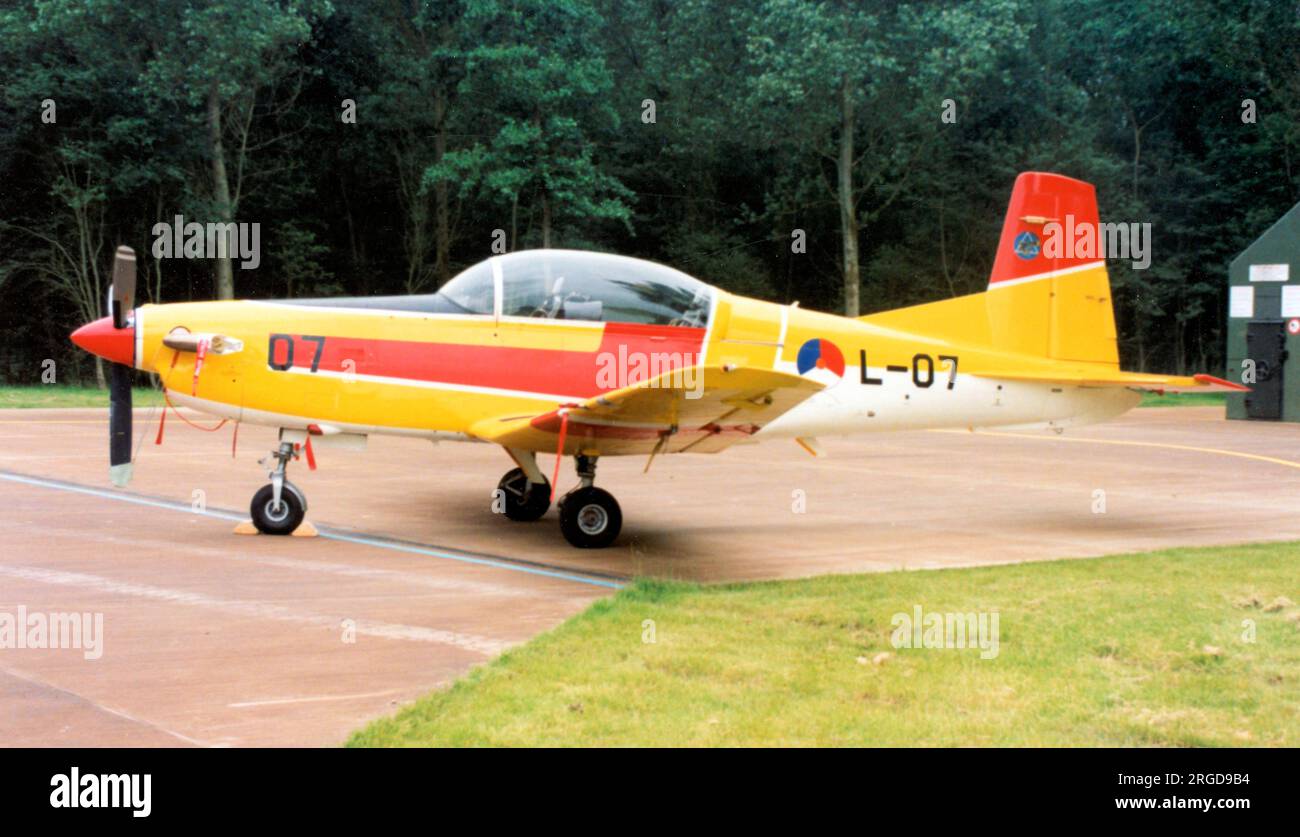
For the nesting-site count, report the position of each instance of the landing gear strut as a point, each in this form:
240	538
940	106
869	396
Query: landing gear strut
278	508
589	517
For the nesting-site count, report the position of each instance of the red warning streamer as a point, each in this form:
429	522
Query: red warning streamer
559	452
162	421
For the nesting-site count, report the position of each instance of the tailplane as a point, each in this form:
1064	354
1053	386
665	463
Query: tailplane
1040	302
1048	310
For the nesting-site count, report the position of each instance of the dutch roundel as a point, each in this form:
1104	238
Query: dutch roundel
820	354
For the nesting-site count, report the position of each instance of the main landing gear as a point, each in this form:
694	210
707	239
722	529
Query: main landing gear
524	500
589	517
279	508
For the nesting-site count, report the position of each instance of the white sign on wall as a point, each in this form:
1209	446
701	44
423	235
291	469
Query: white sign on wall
1270	272
1291	301
1241	302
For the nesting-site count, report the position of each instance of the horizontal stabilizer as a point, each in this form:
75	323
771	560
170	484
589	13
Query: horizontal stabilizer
1114	378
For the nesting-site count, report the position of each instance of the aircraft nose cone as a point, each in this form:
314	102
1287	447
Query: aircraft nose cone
103	339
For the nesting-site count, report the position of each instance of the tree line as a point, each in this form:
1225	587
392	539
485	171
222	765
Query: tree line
853	156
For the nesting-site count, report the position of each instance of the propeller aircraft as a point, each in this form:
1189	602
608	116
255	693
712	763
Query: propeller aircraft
586	355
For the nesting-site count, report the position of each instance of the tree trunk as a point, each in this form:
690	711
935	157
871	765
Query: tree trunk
360	278
442	94
155	265
221	187
442	243
514	223
848	213
1137	157
546	220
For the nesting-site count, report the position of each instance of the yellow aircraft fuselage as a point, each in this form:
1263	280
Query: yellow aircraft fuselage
408	373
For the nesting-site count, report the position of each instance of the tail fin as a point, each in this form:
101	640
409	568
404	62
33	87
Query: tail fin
1052	301
1040	302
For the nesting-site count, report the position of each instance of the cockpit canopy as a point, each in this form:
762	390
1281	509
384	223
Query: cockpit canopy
557	285
579	285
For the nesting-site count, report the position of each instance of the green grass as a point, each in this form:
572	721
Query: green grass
1142	649
53	395
1183	399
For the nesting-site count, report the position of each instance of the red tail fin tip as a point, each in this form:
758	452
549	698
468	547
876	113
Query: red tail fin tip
1040	199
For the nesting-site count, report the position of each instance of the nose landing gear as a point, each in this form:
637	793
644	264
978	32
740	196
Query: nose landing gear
279	508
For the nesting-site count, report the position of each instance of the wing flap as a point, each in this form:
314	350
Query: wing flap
699	409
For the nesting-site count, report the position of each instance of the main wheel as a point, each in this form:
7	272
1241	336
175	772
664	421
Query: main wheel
278	520
590	518
524	500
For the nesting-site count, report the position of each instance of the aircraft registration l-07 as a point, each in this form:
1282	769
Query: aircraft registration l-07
585	355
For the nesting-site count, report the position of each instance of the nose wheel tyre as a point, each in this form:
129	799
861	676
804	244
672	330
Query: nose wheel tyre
524	500
271	519
590	518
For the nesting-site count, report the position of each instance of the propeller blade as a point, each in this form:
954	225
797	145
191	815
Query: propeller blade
121	294
119	424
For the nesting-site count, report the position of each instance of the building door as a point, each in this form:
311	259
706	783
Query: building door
1266	345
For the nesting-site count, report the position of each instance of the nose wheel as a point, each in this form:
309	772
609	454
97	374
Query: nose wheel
279	507
272	518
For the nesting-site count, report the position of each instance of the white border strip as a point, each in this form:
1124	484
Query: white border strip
708	330
498	287
1051	274
138	323
412	382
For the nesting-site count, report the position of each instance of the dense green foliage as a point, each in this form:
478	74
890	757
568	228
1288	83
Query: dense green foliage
701	133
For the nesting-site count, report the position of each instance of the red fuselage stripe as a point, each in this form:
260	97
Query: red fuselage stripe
628	353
